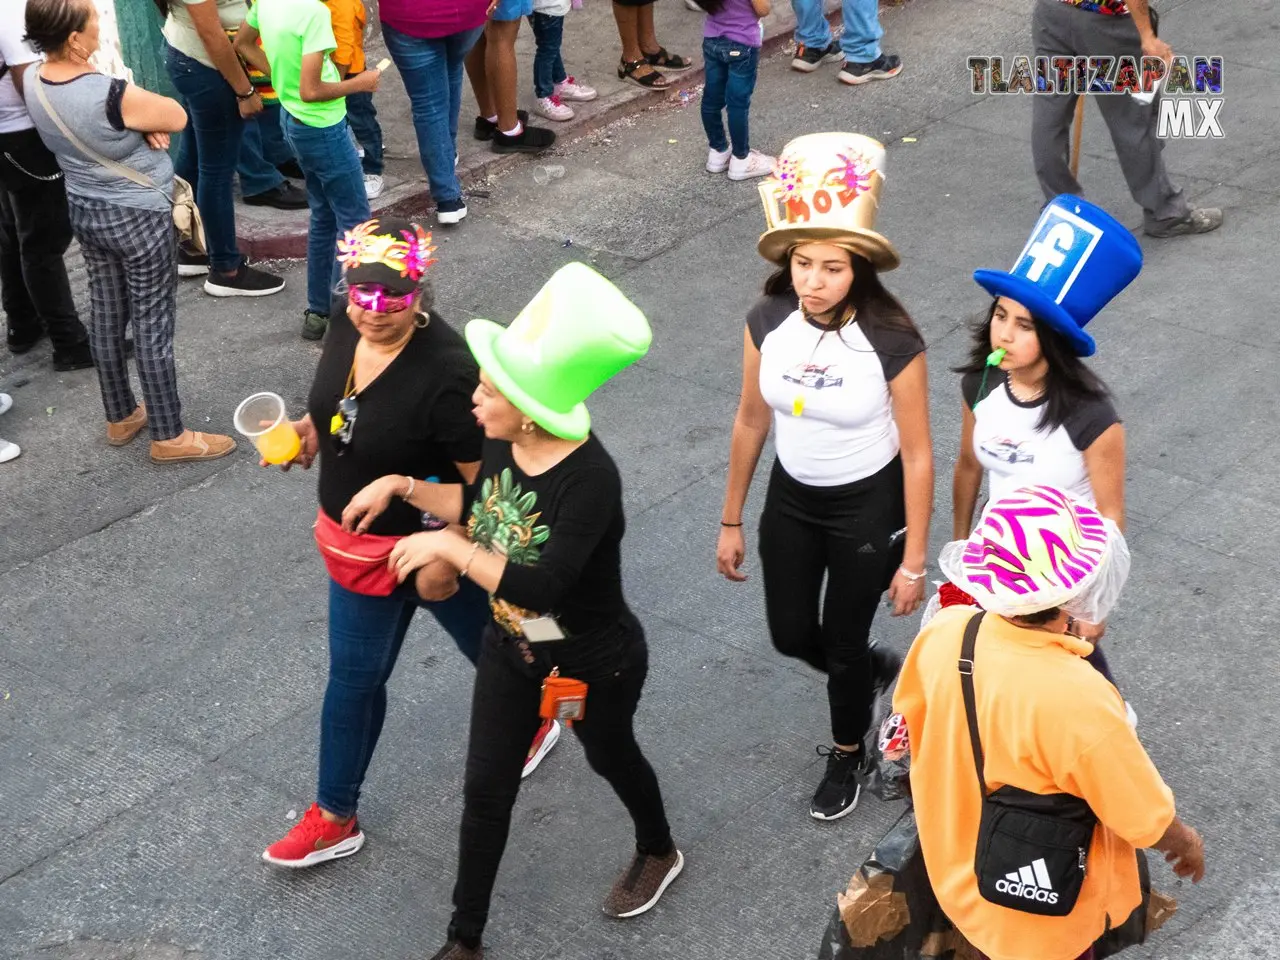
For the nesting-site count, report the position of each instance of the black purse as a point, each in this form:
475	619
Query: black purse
1033	849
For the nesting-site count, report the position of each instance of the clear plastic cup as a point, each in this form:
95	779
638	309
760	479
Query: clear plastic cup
542	175
263	419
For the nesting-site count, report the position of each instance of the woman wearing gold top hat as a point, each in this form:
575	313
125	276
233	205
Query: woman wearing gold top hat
833	362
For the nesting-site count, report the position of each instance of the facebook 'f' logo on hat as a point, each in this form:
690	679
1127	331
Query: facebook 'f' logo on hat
1058	249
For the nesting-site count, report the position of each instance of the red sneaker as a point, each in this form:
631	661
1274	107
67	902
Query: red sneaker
313	840
548	736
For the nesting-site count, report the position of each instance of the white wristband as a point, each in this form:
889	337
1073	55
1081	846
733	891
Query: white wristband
409	493
913	577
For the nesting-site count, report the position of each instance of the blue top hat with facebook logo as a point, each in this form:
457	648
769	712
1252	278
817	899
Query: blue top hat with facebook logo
1078	258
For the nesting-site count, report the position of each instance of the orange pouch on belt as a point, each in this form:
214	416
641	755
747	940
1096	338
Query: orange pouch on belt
356	561
563	698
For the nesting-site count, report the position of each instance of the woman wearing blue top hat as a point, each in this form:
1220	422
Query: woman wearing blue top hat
1034	413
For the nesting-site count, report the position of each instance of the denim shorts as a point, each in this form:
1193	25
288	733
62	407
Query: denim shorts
512	10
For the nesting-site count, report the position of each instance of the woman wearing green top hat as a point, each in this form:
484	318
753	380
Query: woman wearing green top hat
543	534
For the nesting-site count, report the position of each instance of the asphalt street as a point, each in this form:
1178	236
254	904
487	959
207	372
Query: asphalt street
162	630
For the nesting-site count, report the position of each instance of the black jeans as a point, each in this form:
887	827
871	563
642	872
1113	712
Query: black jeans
504	718
841	533
35	231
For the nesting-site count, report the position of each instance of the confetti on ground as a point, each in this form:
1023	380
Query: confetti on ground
291	815
908	139
673	141
49	410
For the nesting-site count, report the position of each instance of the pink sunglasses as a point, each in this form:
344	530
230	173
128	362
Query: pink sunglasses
376	298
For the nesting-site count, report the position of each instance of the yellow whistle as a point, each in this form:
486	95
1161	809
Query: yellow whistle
336	424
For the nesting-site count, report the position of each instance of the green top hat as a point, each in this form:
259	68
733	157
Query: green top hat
577	333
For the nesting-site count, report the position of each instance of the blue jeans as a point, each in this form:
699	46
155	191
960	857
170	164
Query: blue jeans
335	193
257	173
548	67
432	73
209	151
860	41
731	79
363	117
365	636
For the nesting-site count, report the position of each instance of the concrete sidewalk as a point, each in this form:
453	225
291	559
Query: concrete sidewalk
591	53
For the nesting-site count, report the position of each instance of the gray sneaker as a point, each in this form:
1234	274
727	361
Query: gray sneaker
643	883
1201	220
314	325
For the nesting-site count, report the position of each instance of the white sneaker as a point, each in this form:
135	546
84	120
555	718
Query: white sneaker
754	164
552	108
9	451
547	737
454	215
373	185
571	89
717	161
6	402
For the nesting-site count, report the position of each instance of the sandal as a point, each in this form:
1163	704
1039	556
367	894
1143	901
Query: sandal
668	61
653	79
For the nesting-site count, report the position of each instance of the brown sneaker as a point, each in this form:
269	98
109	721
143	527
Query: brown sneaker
643	883
191	445
122	431
453	950
1200	220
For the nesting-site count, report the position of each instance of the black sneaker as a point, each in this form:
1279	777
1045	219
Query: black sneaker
486	128
837	795
882	68
77	358
808	59
19	345
1201	220
291	170
285	196
192	263
528	140
245	282
451	211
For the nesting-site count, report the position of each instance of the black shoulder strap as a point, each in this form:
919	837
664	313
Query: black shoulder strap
970	700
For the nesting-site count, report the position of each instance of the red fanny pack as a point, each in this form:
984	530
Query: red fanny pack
356	561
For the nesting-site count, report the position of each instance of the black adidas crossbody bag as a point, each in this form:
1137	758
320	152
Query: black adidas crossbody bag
1033	848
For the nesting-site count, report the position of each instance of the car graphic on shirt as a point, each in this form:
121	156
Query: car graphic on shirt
1008	451
816	378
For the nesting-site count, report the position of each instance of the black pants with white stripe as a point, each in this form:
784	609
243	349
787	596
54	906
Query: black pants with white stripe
841	535
131	258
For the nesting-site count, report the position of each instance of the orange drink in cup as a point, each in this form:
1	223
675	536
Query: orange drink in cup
263	419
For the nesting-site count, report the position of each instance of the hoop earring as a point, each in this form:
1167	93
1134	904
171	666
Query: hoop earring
526	427
421	320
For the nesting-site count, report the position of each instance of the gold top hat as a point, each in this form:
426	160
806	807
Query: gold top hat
826	188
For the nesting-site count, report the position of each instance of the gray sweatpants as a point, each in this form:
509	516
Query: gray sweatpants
1061	30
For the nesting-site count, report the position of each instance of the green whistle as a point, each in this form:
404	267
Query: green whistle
995	356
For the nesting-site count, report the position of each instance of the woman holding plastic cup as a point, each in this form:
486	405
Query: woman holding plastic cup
391	395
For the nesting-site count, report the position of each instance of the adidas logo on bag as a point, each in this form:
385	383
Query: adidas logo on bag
1030	883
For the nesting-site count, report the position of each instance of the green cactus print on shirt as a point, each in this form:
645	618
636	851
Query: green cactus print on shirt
503	520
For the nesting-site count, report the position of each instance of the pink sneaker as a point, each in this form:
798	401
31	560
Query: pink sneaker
571	89
553	108
548	736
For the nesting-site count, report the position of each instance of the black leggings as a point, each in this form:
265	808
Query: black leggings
504	718
841	533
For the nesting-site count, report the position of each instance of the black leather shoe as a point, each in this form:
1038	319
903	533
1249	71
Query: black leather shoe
17	346
284	197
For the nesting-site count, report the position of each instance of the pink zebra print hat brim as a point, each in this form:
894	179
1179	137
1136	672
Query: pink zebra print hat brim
1036	549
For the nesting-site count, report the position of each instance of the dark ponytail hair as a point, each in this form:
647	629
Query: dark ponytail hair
875	308
1067	382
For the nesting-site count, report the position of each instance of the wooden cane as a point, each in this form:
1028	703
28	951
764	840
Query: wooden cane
1075	139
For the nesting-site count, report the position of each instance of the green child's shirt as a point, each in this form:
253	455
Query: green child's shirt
290	30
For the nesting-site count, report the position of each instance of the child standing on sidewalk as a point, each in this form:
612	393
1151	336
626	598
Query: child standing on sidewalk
297	40
731	49
551	83
348	31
